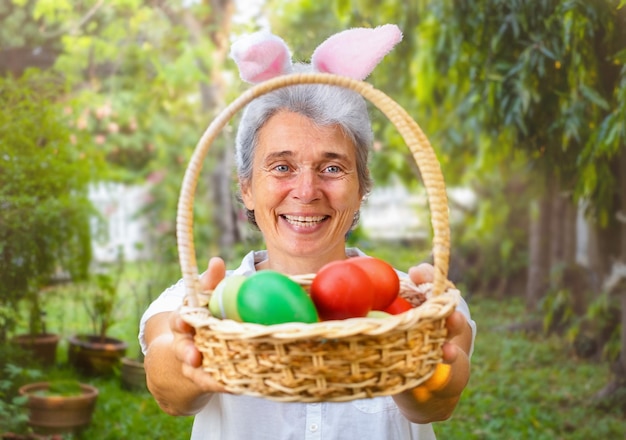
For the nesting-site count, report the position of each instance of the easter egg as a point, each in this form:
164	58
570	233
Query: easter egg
341	290
399	305
377	314
383	277
269	297
223	302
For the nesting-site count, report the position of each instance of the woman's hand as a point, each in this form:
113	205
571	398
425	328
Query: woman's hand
173	363
456	323
437	404
185	349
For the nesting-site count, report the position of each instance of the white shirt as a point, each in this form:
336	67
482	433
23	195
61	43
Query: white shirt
236	417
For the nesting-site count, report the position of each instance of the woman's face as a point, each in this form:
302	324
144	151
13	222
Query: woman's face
304	190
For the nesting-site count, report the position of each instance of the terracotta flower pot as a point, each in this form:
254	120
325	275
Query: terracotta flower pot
55	414
91	355
133	374
43	347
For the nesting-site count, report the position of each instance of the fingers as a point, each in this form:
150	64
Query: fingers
184	347
189	356
455	357
455	323
186	350
203	380
450	352
422	273
216	271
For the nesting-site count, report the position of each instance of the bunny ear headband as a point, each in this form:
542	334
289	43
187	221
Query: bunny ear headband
353	53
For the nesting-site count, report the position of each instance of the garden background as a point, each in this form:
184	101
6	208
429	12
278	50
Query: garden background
523	101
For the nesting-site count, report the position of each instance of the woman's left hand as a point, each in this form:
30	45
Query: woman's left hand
422	405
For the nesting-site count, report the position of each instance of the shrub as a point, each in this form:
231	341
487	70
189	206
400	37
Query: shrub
44	175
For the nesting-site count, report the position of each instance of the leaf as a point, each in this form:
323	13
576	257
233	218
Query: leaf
612	139
342	7
50	9
547	52
66	388
593	96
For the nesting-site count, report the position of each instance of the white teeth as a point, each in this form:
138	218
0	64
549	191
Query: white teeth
304	221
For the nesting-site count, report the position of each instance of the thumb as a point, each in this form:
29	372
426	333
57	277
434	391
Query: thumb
422	273
215	273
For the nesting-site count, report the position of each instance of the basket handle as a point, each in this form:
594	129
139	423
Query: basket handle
410	131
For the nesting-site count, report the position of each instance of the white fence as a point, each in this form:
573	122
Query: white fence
123	227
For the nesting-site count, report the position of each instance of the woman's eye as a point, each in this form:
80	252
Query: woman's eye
281	168
332	169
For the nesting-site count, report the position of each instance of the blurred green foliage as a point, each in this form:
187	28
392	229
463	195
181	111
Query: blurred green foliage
44	175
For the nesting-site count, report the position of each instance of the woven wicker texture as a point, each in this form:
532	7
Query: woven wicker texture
333	360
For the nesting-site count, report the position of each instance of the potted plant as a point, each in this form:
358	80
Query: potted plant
31	409
133	373
45	211
61	406
40	345
98	353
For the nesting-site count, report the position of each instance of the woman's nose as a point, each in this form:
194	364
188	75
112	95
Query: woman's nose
307	186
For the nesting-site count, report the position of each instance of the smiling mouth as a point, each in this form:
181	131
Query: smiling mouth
302	221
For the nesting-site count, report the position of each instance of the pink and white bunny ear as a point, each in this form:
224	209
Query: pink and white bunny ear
355	52
261	56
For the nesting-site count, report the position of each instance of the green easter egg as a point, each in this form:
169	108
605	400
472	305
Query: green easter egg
269	297
223	302
214	306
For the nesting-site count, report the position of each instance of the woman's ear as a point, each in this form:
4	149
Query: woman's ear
245	190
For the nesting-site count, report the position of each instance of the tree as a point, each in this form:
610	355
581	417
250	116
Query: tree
44	175
24	44
555	72
215	26
149	77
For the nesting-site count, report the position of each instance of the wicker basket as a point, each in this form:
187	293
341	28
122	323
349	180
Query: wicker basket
338	360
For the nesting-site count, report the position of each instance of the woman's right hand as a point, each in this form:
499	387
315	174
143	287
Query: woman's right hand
173	364
186	351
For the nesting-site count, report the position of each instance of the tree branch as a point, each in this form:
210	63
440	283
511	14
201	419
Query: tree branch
78	25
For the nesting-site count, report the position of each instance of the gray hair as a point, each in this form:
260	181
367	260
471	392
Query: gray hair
325	105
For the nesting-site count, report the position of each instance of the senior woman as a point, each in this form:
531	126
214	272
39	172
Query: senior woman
302	166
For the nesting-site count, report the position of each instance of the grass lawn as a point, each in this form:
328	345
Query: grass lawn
125	415
528	387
